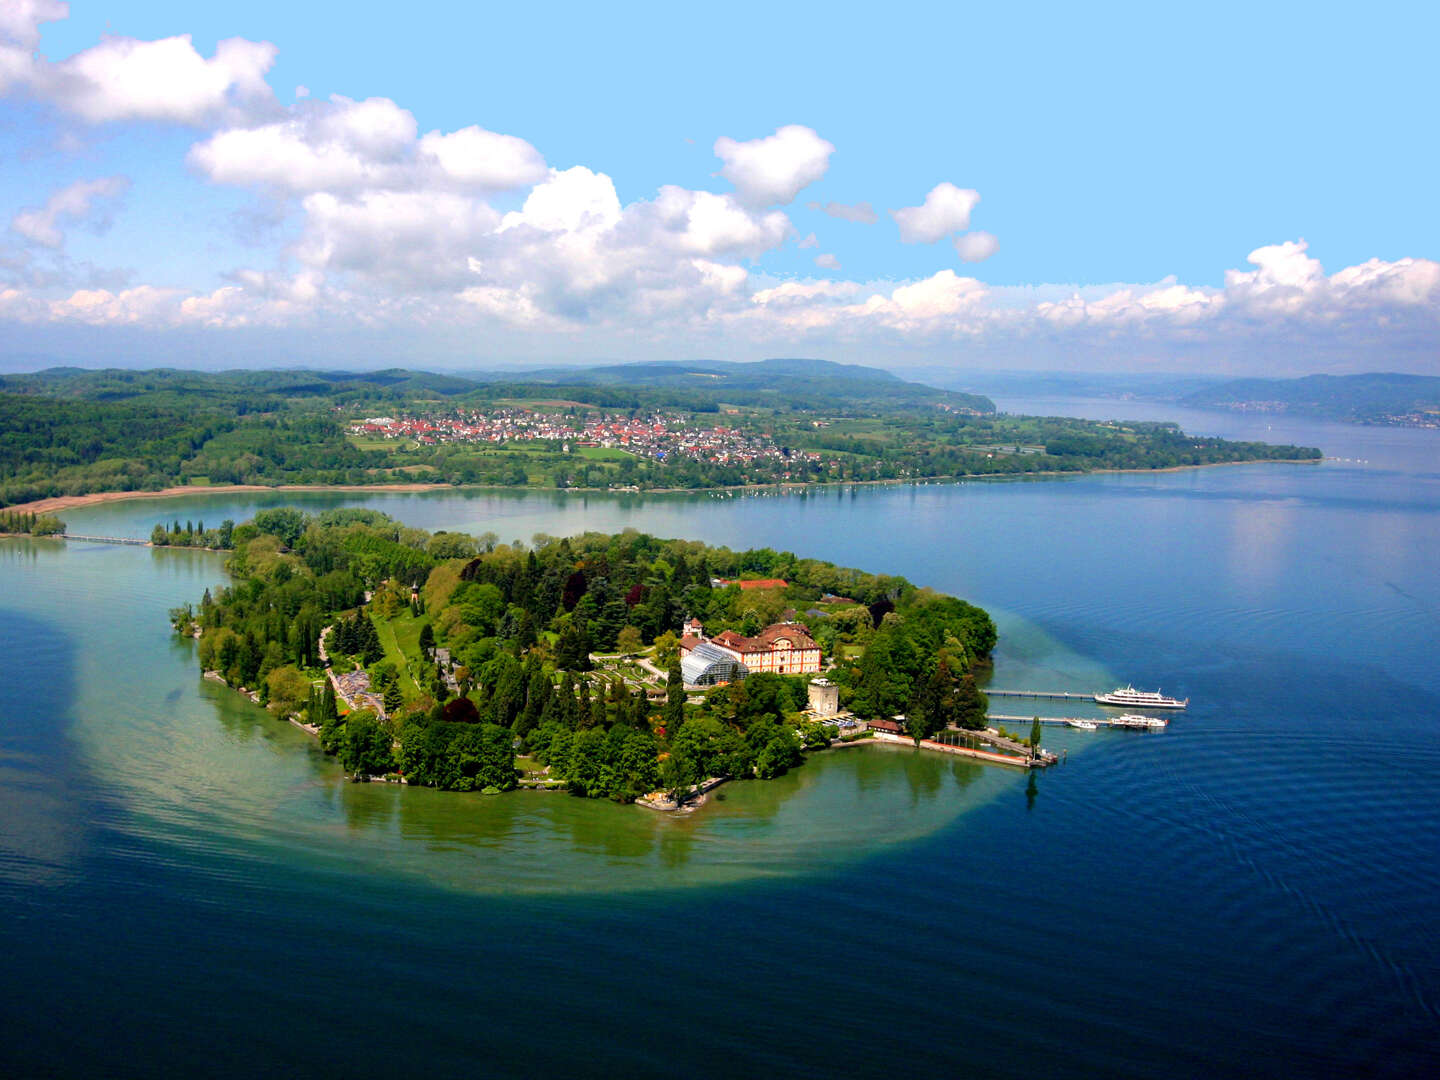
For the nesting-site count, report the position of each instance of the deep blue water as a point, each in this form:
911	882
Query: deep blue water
1253	892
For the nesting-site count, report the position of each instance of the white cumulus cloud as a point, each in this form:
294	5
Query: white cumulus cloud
340	145
571	200
773	170
976	246
946	210
485	159
166	80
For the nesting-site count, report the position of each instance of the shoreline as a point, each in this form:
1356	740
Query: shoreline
69	502
53	503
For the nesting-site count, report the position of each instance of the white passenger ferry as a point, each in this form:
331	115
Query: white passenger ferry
1128	697
1142	723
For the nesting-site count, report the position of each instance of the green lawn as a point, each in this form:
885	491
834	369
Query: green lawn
603	453
400	637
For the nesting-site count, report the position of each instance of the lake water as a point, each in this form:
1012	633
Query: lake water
189	888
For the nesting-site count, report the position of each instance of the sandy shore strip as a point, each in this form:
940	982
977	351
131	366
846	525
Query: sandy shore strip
68	502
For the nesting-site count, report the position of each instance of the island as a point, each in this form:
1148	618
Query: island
622	667
68	434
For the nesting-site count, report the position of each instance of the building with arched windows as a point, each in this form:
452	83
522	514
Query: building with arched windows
782	648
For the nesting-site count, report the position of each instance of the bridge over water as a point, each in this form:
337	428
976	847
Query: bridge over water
105	539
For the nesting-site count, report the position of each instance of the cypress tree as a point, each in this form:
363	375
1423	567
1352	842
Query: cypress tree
674	698
583	715
371	648
537	697
393	699
567	711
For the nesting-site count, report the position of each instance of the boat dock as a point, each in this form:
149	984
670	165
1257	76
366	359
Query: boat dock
1060	694
1076	721
1019	761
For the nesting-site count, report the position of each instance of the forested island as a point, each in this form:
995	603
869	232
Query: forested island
462	663
69	432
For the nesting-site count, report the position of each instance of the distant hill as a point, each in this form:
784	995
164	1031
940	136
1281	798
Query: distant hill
123	384
1145	386
809	384
1378	398
801	384
751	375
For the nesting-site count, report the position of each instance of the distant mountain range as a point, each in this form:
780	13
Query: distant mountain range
1379	398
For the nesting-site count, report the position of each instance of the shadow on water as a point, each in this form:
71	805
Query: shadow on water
43	833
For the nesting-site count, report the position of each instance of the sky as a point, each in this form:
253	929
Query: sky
1241	189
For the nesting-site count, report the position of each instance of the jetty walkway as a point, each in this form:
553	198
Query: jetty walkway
1098	721
1062	694
104	539
1037	761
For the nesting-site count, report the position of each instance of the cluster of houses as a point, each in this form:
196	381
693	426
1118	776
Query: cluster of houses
657	436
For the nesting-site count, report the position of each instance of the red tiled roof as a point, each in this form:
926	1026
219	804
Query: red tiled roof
758	583
764	641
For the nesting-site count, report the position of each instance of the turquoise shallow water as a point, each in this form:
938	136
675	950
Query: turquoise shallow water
191	889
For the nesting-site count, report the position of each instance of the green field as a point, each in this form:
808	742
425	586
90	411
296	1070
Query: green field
377	443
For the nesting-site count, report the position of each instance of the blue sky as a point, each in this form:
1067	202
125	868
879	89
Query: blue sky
1239	188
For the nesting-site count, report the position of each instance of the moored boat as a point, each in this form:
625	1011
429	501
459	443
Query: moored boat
1083	725
1128	697
1140	723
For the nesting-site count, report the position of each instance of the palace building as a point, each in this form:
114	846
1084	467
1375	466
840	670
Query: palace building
782	648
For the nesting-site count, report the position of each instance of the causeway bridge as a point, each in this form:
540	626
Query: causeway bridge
105	539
